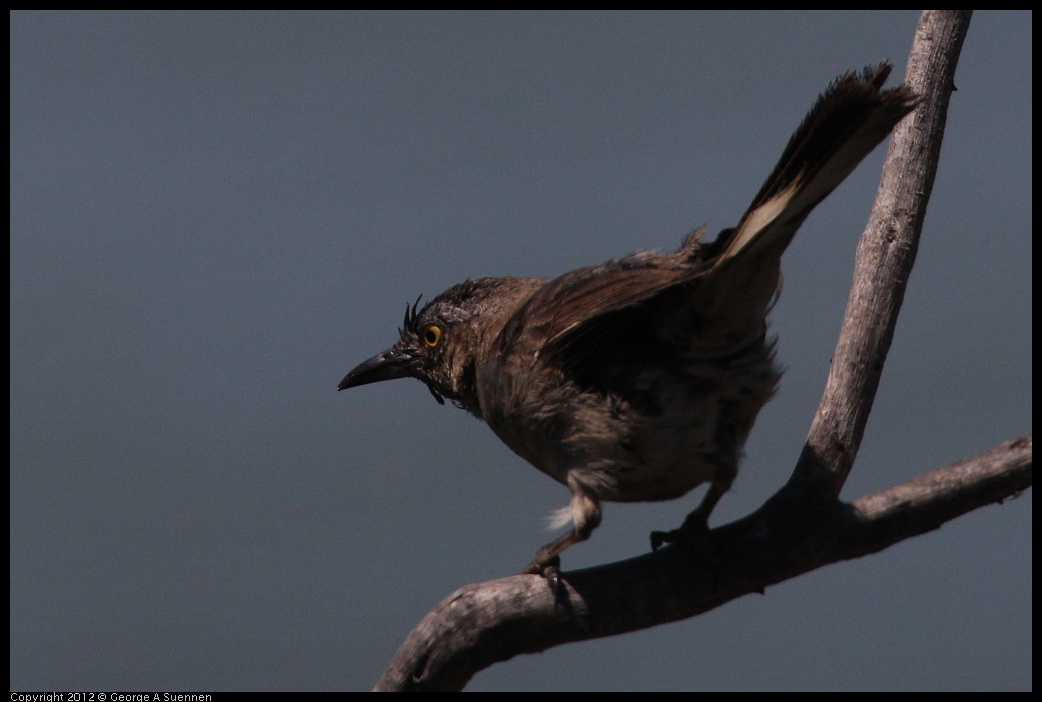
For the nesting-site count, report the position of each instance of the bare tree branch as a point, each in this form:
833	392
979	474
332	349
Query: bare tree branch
886	253
484	623
804	526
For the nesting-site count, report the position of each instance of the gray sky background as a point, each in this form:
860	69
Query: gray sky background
215	216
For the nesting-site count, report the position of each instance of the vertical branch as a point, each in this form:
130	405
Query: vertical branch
885	255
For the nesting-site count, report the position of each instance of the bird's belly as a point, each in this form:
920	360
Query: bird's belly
657	461
627	448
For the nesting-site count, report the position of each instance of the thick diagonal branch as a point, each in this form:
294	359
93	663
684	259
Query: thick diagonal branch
793	533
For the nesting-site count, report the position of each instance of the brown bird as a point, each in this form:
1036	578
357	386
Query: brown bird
640	378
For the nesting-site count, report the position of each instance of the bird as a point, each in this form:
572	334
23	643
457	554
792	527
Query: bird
640	378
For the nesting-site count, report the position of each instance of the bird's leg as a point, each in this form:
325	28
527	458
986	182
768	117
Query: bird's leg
696	524
547	560
586	516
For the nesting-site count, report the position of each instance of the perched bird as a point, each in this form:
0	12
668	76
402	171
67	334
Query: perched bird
640	378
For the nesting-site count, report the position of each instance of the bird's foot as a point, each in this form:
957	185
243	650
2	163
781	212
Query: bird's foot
694	532
659	538
693	535
549	568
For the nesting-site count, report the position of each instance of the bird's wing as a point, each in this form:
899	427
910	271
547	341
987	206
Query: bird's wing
710	297
573	318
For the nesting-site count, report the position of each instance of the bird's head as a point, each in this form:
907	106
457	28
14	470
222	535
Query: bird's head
440	343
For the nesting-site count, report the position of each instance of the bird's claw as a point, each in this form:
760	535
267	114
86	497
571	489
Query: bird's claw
548	569
694	531
658	538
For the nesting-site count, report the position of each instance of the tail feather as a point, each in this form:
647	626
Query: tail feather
847	122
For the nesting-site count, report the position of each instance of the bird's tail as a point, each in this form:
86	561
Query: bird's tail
846	123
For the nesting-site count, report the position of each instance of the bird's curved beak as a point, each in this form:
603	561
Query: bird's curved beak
388	365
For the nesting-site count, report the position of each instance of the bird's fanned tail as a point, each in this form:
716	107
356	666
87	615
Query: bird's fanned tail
846	123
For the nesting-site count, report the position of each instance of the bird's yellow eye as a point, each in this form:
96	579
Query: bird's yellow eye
432	335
